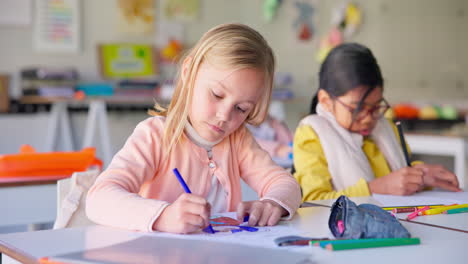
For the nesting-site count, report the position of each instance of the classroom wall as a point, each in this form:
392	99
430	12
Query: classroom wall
420	45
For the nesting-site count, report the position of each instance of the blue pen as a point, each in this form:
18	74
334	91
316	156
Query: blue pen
181	180
209	228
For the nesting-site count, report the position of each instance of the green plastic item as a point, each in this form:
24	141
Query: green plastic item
448	113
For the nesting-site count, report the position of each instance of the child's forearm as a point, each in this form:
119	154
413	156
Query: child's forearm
131	211
286	193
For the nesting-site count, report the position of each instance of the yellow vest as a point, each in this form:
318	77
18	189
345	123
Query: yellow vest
312	167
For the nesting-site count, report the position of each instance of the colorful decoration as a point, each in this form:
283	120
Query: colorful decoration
136	16
304	22
171	52
327	43
270	7
346	19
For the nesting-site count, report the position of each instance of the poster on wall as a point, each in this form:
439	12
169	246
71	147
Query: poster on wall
57	26
136	16
181	10
125	61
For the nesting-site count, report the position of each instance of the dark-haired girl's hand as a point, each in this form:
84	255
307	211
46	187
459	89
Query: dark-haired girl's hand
261	213
404	181
438	176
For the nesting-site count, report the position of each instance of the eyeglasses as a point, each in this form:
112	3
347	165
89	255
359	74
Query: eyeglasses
376	111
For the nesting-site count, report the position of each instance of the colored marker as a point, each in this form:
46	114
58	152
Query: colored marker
412	209
403	143
318	241
324	243
417	212
442	209
456	211
372	243
209	228
404	210
390	208
297	240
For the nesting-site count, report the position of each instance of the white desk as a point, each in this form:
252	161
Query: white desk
437	245
28	201
445	146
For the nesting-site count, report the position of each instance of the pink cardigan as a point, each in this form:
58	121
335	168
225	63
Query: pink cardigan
138	184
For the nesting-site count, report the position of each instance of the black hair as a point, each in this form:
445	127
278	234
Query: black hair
346	67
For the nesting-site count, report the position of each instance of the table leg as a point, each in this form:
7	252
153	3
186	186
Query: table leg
97	118
59	123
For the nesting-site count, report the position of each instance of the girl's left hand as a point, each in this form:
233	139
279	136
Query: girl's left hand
438	176
283	151
261	213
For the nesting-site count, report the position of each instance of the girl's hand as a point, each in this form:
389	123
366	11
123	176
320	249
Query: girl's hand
187	214
261	213
283	151
440	177
404	181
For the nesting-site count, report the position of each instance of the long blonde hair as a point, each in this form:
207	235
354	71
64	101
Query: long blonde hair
233	46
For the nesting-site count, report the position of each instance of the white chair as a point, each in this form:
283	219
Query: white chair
71	199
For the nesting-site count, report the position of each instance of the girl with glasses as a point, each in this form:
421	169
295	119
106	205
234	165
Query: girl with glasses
346	146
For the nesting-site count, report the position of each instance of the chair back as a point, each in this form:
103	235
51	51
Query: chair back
71	199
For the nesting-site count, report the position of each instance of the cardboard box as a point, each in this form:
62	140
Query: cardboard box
4	96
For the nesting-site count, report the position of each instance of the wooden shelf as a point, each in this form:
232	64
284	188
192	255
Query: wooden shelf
119	99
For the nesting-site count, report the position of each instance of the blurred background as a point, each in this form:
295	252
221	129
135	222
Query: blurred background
420	46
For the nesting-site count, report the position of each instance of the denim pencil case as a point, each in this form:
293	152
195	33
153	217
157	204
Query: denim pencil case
350	221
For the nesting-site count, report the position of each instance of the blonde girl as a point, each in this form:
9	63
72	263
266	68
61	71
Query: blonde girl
224	82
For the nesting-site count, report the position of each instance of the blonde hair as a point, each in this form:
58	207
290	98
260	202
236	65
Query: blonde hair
234	46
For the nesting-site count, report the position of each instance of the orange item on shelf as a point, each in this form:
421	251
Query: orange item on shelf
31	163
405	111
79	95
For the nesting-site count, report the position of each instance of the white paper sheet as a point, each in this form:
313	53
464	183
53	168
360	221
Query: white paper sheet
423	198
264	237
